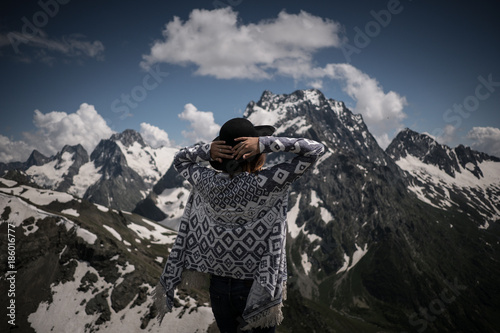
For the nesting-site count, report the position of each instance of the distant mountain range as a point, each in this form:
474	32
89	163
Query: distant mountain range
119	173
401	240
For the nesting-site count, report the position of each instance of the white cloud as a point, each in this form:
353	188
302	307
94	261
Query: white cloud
44	49
219	46
382	112
13	151
446	136
202	124
57	129
485	139
154	136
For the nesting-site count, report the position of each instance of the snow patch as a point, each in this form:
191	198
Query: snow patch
67	313
312	96
299	122
157	235
86	235
102	208
113	232
37	196
148	162
8	182
123	270
50	174
71	211
306	264
293	213
87	175
323	158
21	210
326	216
464	181
356	257
293	228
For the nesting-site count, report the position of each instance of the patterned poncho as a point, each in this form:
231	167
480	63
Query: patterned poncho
236	227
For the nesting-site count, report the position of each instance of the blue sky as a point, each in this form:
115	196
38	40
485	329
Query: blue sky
76	71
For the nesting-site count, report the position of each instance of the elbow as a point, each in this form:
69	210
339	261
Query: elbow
177	162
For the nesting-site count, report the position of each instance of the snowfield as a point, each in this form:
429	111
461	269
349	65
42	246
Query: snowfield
67	311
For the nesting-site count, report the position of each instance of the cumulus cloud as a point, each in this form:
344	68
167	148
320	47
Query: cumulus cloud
55	130
40	47
154	136
445	135
485	139
382	112
202	124
13	151
219	46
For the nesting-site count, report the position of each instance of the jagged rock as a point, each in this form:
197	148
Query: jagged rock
79	157
119	187
171	179
128	137
87	282
99	304
372	241
149	209
366	245
124	293
36	158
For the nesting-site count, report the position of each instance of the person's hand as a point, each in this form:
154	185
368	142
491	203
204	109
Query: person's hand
247	147
218	151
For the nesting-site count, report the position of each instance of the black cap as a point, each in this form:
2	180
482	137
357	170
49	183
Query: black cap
236	128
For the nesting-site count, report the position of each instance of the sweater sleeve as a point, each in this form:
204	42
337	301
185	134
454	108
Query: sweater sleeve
187	161
282	174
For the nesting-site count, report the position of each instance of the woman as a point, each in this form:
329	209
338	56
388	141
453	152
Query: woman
234	224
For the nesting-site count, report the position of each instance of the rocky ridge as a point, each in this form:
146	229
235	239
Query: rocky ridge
405	239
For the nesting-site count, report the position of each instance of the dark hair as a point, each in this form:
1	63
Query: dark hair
255	164
252	165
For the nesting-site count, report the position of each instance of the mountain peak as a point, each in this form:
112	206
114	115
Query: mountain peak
78	152
425	148
314	96
429	151
37	158
128	137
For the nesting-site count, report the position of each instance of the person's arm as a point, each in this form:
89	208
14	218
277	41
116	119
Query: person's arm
186	161
308	152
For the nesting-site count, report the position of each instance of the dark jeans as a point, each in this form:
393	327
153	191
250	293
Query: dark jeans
229	297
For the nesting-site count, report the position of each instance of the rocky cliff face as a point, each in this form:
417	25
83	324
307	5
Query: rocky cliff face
361	240
83	267
402	240
119	173
450	178
119	185
78	156
363	243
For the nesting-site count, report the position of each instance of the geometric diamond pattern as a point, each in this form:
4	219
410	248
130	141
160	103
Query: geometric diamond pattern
237	227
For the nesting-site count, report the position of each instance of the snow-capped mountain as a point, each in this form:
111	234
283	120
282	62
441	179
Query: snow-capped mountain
57	172
119	173
82	267
360	241
444	177
405	239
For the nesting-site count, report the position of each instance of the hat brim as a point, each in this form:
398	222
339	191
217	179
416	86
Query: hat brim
262	130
